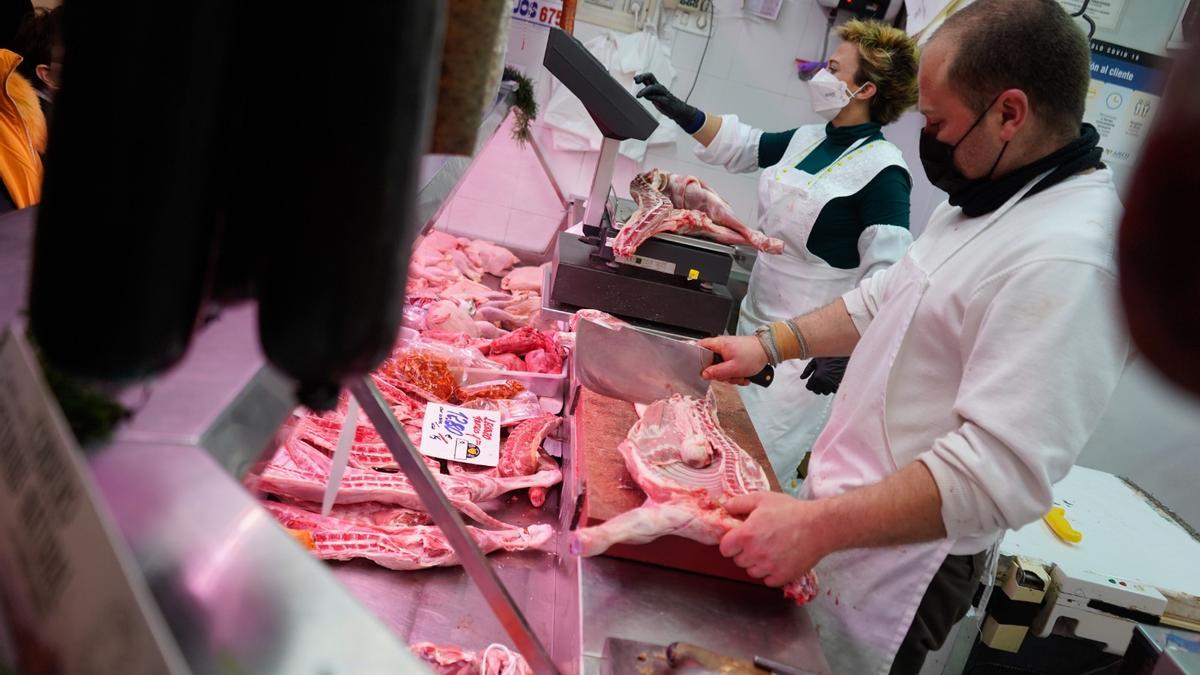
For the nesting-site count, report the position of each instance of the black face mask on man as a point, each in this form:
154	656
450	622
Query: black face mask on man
937	158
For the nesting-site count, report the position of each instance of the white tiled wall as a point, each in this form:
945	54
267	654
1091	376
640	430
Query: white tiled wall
749	71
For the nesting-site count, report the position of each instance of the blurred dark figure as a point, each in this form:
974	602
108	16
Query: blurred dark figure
1160	282
12	13
39	42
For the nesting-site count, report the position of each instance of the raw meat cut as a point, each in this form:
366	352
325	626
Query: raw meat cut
653	207
366	452
544	361
369	513
596	316
467	290
465	266
682	499
694	222
521	454
501	317
522	341
684	205
300	471
692	195
689	192
523	279
510	362
455	339
450	317
495	660
493	259
439	241
405	547
542	351
489	330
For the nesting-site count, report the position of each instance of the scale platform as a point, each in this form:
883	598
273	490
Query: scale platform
580	279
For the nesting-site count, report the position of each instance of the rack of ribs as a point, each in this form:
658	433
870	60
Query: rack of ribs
683	494
397	547
299	471
685	205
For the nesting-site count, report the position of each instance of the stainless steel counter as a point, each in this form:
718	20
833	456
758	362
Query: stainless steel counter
630	600
239	595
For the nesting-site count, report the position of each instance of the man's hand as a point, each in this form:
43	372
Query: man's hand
742	356
777	543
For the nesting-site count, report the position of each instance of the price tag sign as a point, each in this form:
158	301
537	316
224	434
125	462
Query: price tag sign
461	434
71	595
544	12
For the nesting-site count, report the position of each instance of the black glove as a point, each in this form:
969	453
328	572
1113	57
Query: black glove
824	374
686	116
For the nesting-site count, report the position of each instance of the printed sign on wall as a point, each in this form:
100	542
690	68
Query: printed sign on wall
1123	98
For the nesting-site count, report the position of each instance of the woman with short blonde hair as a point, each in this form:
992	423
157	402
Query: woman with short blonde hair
837	194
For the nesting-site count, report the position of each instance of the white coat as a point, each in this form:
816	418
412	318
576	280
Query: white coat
989	353
787	416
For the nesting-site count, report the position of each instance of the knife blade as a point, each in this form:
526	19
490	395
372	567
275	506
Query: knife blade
341	455
621	361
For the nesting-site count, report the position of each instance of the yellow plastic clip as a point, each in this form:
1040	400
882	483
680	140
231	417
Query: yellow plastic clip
1057	520
693	274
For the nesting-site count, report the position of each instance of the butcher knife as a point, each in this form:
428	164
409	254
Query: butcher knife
630	364
341	455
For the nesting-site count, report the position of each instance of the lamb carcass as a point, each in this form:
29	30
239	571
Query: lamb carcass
689	192
495	660
405	547
684	205
682	499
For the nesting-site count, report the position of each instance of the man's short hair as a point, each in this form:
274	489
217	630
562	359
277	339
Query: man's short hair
1031	45
35	41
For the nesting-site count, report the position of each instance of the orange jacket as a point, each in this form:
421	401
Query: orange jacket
22	134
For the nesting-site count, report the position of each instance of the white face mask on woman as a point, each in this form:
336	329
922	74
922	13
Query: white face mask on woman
829	94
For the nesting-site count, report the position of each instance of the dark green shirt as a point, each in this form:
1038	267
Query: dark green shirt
883	201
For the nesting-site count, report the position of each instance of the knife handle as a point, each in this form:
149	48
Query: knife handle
763	378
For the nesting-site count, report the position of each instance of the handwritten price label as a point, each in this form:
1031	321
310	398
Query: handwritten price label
537	12
461	434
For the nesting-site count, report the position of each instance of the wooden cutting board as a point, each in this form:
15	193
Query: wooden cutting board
610	491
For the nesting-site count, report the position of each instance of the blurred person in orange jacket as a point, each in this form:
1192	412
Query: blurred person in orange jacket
22	137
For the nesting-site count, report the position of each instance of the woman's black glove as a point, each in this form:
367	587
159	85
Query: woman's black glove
686	116
824	374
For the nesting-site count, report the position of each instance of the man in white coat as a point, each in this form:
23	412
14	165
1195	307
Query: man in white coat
983	360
